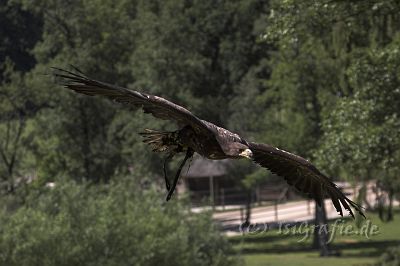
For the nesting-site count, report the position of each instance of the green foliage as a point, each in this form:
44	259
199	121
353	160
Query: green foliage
363	129
122	223
334	86
317	78
19	106
344	55
197	52
192	52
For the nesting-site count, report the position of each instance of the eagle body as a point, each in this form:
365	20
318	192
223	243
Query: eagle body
222	145
211	141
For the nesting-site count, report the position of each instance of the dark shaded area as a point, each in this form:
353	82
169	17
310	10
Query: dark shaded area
379	246
20	30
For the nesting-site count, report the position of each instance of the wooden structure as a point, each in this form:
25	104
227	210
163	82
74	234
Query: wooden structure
208	183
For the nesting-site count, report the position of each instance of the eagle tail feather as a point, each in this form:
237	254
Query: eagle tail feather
160	141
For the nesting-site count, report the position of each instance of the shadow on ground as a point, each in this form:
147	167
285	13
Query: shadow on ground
270	243
359	249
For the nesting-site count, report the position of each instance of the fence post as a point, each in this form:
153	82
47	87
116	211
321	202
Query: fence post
223	198
211	184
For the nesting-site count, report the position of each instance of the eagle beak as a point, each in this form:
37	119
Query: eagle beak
247	153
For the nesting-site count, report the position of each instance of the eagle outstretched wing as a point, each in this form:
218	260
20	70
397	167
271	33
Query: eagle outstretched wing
157	106
301	174
296	170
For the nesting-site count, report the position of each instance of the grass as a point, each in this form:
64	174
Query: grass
276	248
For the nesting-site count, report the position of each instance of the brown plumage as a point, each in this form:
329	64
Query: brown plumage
211	141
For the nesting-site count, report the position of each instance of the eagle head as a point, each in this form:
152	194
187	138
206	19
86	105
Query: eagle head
247	153
239	150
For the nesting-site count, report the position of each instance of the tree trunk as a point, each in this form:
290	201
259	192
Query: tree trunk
321	235
248	208
389	216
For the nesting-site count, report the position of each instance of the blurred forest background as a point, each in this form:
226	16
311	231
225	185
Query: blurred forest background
318	78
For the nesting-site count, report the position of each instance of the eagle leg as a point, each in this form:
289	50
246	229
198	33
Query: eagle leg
167	159
189	154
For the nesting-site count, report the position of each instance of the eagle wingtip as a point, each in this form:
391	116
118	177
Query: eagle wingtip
357	207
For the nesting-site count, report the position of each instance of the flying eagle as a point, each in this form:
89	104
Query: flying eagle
211	141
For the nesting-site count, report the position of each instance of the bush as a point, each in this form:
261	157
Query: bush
390	258
115	224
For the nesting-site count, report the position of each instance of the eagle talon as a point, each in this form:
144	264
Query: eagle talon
189	154
167	183
169	195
